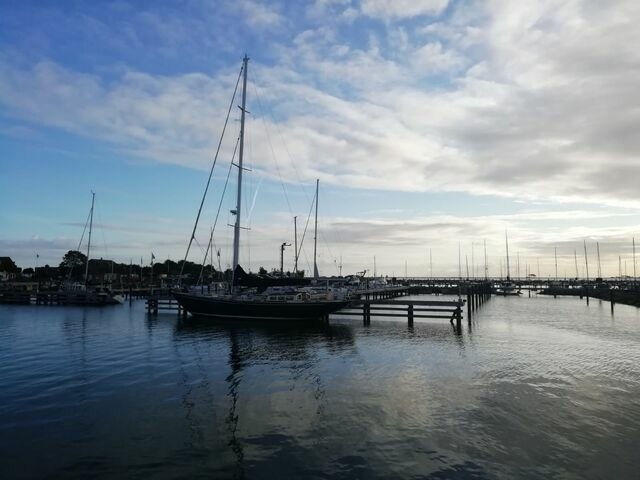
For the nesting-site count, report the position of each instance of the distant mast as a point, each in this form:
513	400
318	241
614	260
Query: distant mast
236	227
586	260
315	236
86	268
295	241
506	241
633	242
486	265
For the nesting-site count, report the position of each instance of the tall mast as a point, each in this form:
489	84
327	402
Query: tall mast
506	241
86	268
486	265
599	267
586	259
295	242
315	236
619	268
466	262
473	261
236	228
555	256
575	259
635	278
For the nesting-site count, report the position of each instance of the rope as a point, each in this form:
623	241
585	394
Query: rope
297	174
218	212
273	154
215	159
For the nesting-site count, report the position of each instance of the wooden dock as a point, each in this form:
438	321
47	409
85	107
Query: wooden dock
410	309
164	302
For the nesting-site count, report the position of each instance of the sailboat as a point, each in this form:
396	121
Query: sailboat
82	293
289	304
507	288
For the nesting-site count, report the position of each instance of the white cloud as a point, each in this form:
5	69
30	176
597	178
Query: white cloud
543	111
257	14
433	58
394	9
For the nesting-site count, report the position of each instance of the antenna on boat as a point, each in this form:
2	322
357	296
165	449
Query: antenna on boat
315	236
282	247
236	212
86	268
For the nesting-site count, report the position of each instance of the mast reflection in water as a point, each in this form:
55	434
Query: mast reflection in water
539	388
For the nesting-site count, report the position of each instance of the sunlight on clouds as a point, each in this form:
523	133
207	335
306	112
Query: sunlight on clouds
394	9
534	101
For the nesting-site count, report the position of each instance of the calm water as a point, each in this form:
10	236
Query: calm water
540	388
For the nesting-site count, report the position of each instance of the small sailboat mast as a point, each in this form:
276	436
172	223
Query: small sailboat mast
506	241
236	228
295	242
315	236
86	268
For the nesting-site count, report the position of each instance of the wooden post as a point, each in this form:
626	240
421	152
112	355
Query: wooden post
459	319
586	290
469	305
410	314
612	299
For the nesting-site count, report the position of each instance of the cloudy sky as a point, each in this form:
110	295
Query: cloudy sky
431	125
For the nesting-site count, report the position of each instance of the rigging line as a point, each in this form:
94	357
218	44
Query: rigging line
273	154
215	222
198	244
297	174
293	164
215	159
304	232
80	243
83	232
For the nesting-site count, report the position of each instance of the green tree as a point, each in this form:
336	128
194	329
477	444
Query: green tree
73	259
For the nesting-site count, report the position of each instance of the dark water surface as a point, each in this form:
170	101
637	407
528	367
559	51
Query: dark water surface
540	388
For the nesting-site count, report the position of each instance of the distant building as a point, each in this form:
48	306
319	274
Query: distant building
8	269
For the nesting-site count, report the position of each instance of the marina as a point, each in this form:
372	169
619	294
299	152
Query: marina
115	392
336	239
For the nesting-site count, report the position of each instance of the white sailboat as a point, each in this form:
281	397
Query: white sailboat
507	288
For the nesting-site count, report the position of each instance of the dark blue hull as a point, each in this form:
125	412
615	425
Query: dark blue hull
216	307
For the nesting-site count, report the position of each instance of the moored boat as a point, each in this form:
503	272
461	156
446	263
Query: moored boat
290	304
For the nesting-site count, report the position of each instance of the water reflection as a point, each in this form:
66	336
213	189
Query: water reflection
287	346
538	388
